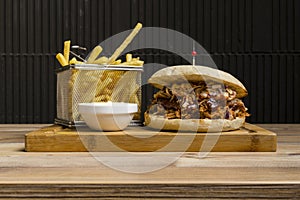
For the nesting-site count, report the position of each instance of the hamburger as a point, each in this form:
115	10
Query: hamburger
196	98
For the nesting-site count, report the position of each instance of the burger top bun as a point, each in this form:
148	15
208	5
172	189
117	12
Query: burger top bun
182	73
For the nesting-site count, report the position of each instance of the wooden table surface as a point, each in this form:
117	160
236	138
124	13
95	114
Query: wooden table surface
251	175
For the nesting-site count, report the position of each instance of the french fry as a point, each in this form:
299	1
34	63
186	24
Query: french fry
100	87
102	98
67	45
94	54
134	63
117	62
73	61
125	43
61	59
128	57
102	60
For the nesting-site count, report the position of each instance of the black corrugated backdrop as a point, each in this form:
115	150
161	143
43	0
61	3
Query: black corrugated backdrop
258	41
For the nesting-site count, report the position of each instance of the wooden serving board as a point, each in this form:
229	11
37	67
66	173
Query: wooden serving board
55	138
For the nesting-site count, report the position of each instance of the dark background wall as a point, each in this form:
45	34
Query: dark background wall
258	41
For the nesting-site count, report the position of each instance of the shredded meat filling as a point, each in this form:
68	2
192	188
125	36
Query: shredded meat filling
197	101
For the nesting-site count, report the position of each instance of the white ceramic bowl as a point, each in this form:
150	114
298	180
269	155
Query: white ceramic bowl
110	116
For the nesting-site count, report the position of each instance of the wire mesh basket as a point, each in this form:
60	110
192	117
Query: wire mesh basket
93	83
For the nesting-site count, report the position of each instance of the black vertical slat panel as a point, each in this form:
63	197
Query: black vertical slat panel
228	25
93	28
221	64
296	88
23	27
42	39
22	90
240	68
2	89
2	26
262	25
87	15
107	9
253	87
16	27
2	61
45	31
226	63
120	20
74	26
134	12
30	89
232	64
163	8
214	26
234	26
276	25
290	25
16	89
156	17
45	65
283	25
100	21
156	23
36	89
241	25
80	34
267	107
282	89
178	15
44	98
52	90
9	89
52	27
248	25
290	88
221	26
164	24
200	21
66	32
141	11
297	24
260	88
247	81
207	26
148	90
59	18
216	58
171	24
141	18
30	27
186	26
37	27
16	61
275	88
29	61
192	20
148	21
33	31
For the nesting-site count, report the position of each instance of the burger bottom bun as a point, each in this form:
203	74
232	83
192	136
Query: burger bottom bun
199	125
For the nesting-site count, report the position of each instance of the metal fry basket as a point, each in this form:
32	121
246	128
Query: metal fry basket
93	83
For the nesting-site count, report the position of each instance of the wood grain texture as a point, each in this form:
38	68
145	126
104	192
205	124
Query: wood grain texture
152	191
138	139
228	175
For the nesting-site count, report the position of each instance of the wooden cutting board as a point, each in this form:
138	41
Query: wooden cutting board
55	138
